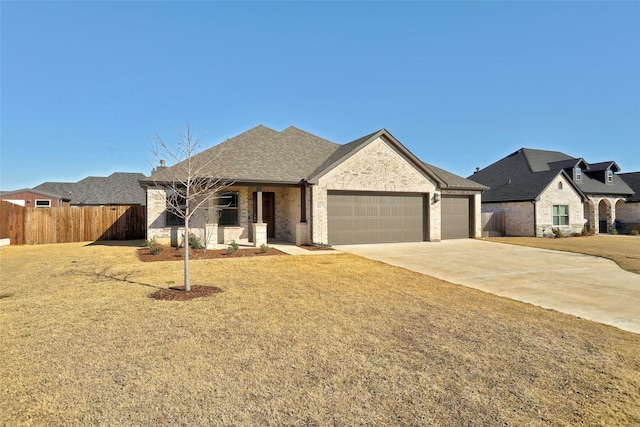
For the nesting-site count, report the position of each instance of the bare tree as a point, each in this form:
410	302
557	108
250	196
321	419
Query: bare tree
191	182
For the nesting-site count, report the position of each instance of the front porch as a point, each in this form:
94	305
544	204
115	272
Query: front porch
247	214
600	213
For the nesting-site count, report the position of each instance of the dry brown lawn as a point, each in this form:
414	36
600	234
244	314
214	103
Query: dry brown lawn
320	340
624	250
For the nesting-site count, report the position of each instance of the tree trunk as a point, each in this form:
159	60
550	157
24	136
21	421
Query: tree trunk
187	285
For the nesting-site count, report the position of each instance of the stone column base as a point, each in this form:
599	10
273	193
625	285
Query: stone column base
259	234
302	234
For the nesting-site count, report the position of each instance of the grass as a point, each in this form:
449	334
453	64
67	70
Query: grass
624	250
323	340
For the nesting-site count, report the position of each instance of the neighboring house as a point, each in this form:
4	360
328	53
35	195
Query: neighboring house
35	198
371	190
628	213
119	188
539	190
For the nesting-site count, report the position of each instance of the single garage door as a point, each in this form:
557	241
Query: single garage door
455	217
356	217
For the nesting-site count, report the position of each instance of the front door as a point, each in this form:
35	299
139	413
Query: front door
268	211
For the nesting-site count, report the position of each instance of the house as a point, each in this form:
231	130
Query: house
29	197
628	213
311	190
539	190
119	188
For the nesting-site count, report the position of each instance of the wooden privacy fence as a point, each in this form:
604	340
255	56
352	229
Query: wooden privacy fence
492	224
32	226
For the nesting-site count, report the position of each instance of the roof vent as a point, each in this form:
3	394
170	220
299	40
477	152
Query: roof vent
477	169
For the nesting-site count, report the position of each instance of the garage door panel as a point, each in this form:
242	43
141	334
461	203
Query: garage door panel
375	218
455	217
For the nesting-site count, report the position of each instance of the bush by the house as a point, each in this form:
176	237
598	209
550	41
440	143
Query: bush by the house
232	248
154	246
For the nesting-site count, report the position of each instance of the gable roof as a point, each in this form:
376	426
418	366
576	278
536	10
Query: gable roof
260	155
348	150
455	182
524	175
632	179
119	188
263	155
34	191
529	172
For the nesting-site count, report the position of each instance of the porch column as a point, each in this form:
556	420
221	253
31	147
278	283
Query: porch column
259	205
611	221
594	216
259	227
303	203
302	228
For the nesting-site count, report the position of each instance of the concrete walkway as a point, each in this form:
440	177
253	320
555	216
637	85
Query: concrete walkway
582	285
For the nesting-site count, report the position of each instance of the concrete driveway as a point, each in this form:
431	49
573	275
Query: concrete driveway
582	285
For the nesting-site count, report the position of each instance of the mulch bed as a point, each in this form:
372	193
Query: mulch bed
175	254
179	294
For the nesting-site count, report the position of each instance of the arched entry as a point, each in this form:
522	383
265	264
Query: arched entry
604	213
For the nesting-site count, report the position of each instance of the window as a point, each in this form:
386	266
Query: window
43	203
578	174
560	186
228	204
560	215
175	205
609	176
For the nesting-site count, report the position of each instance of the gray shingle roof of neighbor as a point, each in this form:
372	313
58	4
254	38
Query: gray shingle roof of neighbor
265	155
119	188
524	174
632	179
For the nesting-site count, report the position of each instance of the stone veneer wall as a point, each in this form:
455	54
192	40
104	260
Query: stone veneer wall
156	226
376	167
553	195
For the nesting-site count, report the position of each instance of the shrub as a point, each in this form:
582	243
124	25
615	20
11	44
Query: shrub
557	232
585	231
614	231
154	246
194	241
233	247
634	232
264	248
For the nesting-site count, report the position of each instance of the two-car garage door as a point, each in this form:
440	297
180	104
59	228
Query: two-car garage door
356	217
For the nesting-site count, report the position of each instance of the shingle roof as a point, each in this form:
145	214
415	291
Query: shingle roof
120	188
265	155
261	155
453	181
632	179
524	174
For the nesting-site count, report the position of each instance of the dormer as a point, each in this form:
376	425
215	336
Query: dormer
604	171
574	167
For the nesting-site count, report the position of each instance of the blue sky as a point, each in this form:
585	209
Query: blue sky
85	86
